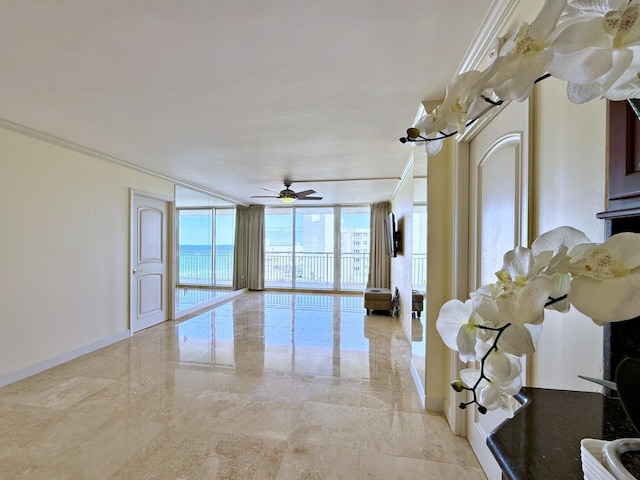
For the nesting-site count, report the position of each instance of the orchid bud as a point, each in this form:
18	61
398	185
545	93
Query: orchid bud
457	385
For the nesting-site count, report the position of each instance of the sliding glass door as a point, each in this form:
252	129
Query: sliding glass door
278	256
354	247
317	248
314	252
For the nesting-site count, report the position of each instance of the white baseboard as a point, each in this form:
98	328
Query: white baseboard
434	404
60	359
418	382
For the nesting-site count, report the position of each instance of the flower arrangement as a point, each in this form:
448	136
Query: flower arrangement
593	45
501	322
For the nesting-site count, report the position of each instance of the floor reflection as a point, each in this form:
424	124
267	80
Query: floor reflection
280	332
275	386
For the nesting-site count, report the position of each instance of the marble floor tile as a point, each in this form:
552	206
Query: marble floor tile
329	424
271	386
314	462
381	467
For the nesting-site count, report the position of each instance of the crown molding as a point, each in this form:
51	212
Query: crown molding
493	23
407	172
68	145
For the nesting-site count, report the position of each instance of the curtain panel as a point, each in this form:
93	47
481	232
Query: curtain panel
255	253
379	261
241	248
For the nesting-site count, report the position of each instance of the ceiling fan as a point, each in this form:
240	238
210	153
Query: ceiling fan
289	196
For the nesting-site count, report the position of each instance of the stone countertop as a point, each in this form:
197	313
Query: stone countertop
542	440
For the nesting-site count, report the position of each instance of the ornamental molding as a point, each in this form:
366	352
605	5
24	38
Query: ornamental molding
494	22
74	147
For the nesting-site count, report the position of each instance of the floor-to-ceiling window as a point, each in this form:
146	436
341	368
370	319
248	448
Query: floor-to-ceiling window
314	252
278	245
205	247
195	246
354	247
225	221
317	248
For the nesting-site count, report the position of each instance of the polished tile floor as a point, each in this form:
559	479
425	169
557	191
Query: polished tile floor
266	386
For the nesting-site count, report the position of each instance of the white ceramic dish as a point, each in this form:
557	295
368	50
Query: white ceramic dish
591	455
601	459
611	453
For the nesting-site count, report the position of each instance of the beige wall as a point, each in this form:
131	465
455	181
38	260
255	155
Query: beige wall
569	189
64	250
402	208
439	268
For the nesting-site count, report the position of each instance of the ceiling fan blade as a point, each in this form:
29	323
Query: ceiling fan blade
304	193
310	198
263	196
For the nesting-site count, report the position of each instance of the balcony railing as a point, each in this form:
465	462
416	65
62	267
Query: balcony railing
196	268
312	269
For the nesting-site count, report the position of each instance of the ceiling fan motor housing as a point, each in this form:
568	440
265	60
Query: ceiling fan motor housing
287	193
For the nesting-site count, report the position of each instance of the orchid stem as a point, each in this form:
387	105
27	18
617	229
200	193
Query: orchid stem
494	347
493	103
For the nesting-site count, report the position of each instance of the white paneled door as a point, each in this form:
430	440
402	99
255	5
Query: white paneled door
149	263
499	221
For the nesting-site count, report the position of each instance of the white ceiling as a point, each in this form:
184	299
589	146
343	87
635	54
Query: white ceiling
234	96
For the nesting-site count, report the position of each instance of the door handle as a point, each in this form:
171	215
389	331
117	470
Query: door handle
135	270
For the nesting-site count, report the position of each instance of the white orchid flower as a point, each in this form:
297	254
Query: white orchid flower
470	376
504	370
432	147
521	293
519	339
554	239
456	325
557	242
424	128
500	323
595	49
515	339
606	283
628	84
463	101
526	56
492	395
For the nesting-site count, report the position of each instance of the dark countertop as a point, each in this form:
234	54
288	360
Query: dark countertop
542	440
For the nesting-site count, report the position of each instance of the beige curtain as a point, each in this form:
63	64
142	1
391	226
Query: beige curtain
255	251
241	248
379	261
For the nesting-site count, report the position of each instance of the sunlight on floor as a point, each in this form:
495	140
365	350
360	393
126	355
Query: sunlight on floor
268	385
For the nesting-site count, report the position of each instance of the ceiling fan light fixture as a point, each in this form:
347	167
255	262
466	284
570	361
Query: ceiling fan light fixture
288	196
